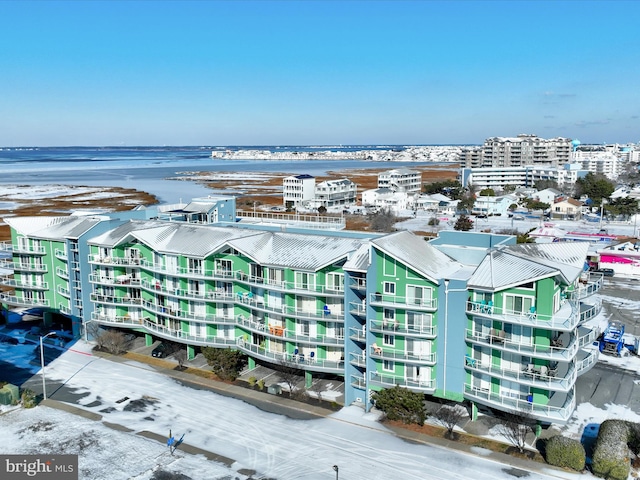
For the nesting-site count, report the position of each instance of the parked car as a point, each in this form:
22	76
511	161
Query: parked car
607	272
162	350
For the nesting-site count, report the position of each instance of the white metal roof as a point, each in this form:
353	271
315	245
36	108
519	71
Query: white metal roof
418	254
52	228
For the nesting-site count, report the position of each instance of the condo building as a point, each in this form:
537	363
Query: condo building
467	316
401	180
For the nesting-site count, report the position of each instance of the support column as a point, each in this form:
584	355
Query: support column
251	363
191	352
474	411
148	339
308	379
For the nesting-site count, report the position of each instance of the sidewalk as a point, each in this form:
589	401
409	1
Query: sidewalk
282	405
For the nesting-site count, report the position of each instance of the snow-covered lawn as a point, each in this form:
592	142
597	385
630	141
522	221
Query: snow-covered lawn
272	445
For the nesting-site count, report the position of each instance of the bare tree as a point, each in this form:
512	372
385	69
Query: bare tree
181	358
515	427
449	416
383	221
317	388
112	341
289	373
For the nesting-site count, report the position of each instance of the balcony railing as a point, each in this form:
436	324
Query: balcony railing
547	413
316	364
358	381
381	380
498	339
290	287
566	318
584	290
23	284
61	254
358	333
586	360
357	308
40	250
62	273
587	312
387	353
23	267
6	247
548	379
359	284
63	291
180	336
7	297
415	303
384	326
359	360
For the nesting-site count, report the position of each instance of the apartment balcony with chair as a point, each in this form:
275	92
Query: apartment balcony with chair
566	318
393	326
389	381
315	364
389	353
414	303
559	377
558	410
562	348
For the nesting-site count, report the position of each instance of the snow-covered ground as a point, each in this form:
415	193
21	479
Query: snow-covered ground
274	446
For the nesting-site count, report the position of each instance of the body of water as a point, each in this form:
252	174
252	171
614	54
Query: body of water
148	168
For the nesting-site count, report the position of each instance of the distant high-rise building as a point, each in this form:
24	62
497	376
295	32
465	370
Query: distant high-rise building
520	151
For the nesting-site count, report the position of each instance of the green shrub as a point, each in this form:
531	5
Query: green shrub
402	404
261	384
611	453
28	398
252	381
565	452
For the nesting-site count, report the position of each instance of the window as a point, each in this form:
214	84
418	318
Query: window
388	366
389	288
418	295
306	281
518	304
335	282
195	266
223	267
389	340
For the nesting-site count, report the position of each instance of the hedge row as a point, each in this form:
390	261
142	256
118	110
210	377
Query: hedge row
611	453
565	452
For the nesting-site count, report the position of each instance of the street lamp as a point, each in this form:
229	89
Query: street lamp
335	468
44	385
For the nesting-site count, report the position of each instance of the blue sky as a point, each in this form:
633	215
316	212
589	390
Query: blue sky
325	72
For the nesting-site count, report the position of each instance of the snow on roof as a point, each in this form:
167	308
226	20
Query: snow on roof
52	228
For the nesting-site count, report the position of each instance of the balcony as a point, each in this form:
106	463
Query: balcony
313	364
119	280
24	285
289	287
109	260
499	340
359	334
388	353
358	308
63	291
62	273
587	312
562	378
31	250
8	298
586	359
566	318
593	285
290	311
393	326
179	314
389	381
359	360
358	381
61	254
359	284
23	267
413	303
545	413
6	247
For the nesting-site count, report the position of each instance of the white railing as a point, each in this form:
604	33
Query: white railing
29	249
517	404
566	318
379	299
7	297
387	353
381	380
397	327
534	377
500	340
23	284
